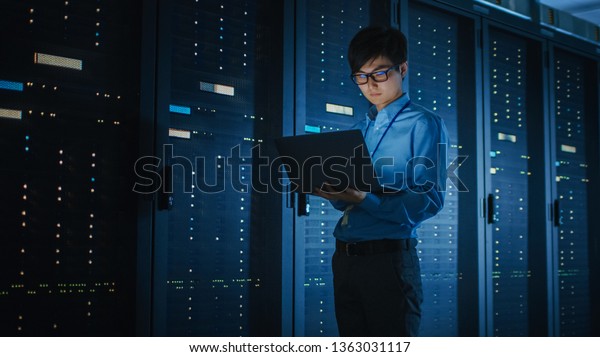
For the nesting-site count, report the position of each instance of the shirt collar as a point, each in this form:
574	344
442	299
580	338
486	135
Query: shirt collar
387	113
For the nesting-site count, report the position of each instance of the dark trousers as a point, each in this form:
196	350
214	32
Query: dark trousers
378	295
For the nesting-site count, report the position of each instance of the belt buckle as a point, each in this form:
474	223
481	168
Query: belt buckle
348	249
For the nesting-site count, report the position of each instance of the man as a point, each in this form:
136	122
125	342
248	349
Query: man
376	271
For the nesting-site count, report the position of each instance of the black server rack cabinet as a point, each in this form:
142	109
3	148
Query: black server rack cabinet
574	118
69	109
441	46
216	249
325	100
516	235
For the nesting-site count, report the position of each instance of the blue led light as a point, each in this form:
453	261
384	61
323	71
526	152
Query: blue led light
312	129
17	86
180	109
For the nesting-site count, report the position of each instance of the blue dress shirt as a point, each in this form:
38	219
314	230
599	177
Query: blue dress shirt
411	160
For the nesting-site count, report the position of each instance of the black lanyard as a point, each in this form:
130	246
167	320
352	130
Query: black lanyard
386	129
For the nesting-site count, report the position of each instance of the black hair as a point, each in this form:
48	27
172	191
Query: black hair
374	41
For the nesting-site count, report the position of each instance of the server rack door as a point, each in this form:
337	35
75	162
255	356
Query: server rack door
327	100
440	45
516	194
69	110
217	268
574	114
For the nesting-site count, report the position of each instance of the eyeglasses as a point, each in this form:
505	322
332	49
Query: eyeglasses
379	76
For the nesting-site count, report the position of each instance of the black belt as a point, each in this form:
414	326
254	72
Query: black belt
369	247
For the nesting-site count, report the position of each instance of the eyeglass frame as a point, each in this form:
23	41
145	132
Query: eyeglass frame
371	75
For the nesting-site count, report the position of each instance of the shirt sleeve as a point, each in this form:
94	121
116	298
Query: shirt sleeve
405	207
422	196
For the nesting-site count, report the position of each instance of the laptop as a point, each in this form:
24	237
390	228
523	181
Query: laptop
340	159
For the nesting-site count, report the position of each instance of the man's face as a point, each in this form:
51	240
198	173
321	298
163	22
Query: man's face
381	94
